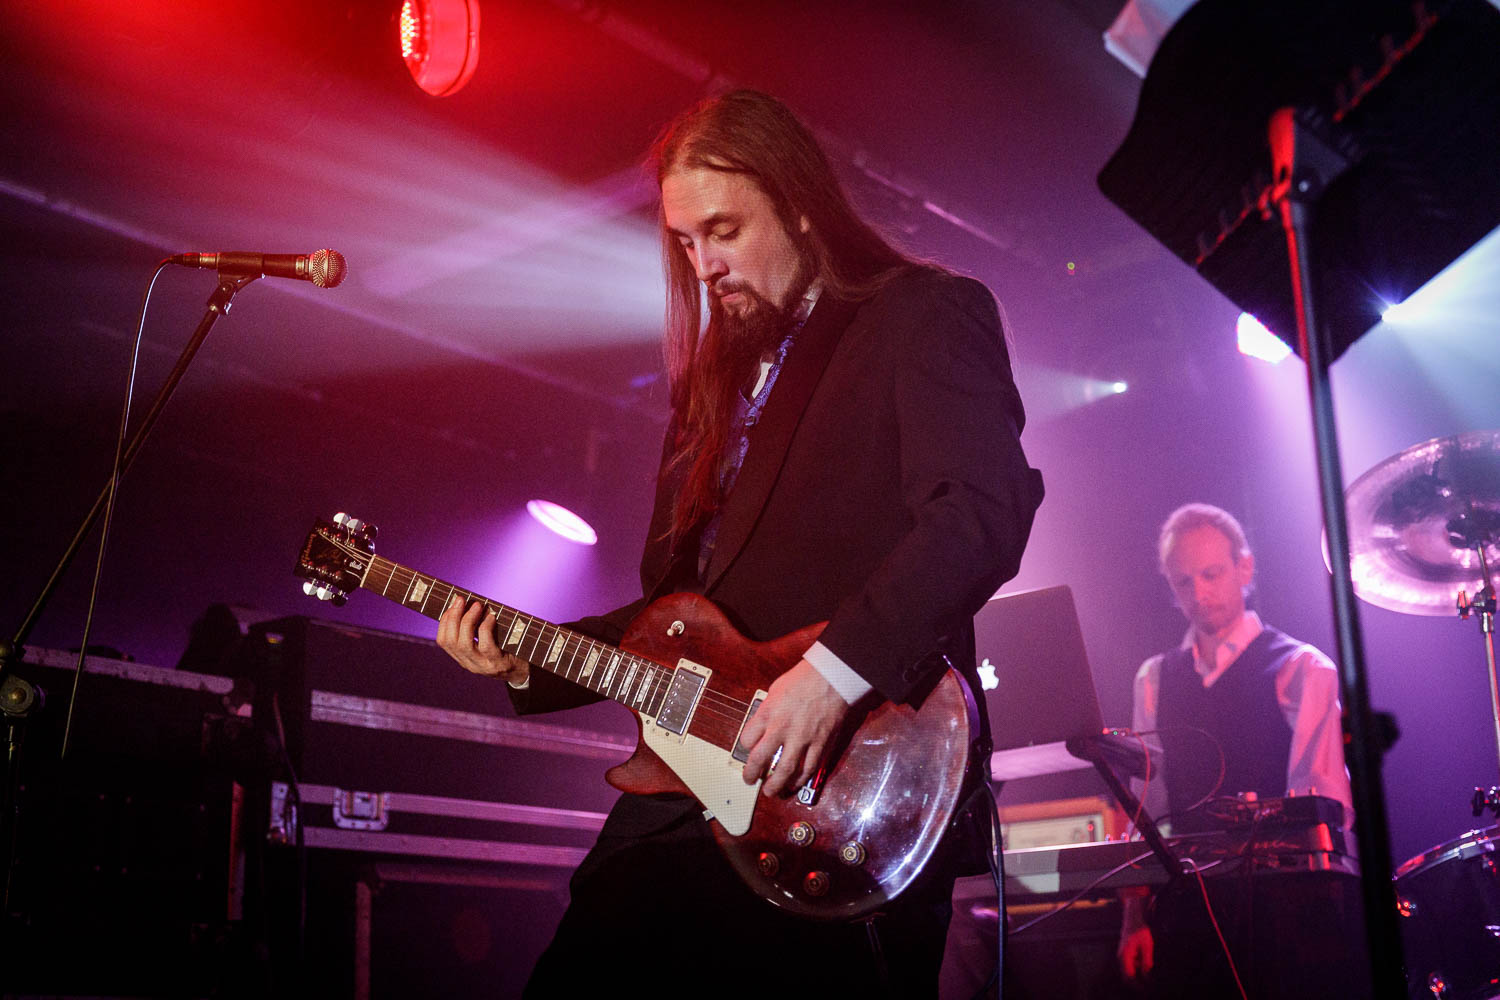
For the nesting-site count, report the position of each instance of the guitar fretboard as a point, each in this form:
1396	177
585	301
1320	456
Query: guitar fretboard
624	677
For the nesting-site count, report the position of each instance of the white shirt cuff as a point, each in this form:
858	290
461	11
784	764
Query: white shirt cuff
850	685
521	686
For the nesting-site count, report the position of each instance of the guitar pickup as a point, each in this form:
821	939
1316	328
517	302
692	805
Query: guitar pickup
741	752
688	682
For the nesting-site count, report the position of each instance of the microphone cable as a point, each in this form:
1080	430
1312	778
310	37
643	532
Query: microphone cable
109	503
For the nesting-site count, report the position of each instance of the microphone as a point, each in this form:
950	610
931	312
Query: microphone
324	268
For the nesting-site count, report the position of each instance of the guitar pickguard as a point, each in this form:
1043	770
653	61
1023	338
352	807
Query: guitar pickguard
714	777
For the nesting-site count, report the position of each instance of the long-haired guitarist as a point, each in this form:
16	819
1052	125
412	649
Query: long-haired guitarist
844	446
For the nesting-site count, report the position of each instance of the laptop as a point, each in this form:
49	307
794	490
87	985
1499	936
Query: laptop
1037	683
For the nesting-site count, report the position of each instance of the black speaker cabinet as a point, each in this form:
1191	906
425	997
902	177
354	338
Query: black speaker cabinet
376	711
418	839
124	875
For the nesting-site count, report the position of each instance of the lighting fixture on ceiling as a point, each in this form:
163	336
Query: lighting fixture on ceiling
562	521
440	43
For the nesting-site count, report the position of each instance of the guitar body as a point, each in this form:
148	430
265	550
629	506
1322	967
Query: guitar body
883	804
841	848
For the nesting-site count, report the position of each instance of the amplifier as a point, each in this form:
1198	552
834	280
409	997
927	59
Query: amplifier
376	712
124	849
414	806
1060	821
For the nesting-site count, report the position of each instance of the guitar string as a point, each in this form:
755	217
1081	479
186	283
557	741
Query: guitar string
727	706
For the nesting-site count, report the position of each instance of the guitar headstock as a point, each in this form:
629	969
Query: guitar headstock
335	557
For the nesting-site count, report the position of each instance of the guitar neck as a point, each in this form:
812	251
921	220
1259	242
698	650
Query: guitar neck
632	681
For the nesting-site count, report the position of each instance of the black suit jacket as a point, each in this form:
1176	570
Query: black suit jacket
884	490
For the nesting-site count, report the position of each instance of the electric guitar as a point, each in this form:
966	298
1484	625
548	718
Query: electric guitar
846	843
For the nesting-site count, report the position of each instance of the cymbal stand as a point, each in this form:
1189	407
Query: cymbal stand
1482	604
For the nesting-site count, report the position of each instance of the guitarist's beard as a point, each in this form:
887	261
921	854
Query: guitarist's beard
736	341
723	372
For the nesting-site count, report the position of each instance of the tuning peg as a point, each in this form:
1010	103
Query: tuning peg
309	588
340	518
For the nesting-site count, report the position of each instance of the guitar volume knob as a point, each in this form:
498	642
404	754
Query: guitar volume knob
768	864
802	834
853	853
816	884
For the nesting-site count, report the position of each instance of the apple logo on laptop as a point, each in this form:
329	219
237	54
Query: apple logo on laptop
987	678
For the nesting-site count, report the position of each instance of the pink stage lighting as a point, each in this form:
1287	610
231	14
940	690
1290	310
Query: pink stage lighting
1258	342
563	521
440	43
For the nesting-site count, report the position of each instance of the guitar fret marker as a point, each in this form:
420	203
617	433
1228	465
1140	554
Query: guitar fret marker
418	592
609	674
629	679
517	629
555	649
590	661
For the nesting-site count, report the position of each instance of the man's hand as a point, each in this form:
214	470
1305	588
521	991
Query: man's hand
801	713
471	641
1137	954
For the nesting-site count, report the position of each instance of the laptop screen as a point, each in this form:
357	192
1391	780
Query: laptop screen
1035	673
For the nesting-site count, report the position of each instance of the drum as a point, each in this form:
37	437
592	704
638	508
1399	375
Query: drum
1449	901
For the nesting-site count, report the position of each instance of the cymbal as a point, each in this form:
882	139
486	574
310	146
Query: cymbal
1417	518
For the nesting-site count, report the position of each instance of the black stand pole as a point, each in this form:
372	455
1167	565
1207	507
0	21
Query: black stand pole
1482	605
1298	186
18	697
1091	749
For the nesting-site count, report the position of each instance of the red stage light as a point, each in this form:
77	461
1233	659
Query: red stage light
440	43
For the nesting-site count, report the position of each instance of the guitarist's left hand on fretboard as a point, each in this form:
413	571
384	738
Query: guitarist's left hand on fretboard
469	637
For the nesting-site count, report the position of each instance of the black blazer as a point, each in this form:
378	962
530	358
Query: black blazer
884	490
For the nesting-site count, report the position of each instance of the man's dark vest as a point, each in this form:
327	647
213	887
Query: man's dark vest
1240	712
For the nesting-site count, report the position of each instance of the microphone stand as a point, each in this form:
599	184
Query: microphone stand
19	698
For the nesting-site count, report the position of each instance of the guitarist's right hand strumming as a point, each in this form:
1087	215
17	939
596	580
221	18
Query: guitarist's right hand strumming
470	640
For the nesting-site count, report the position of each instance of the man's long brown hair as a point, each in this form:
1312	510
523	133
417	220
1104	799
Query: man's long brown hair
753	134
